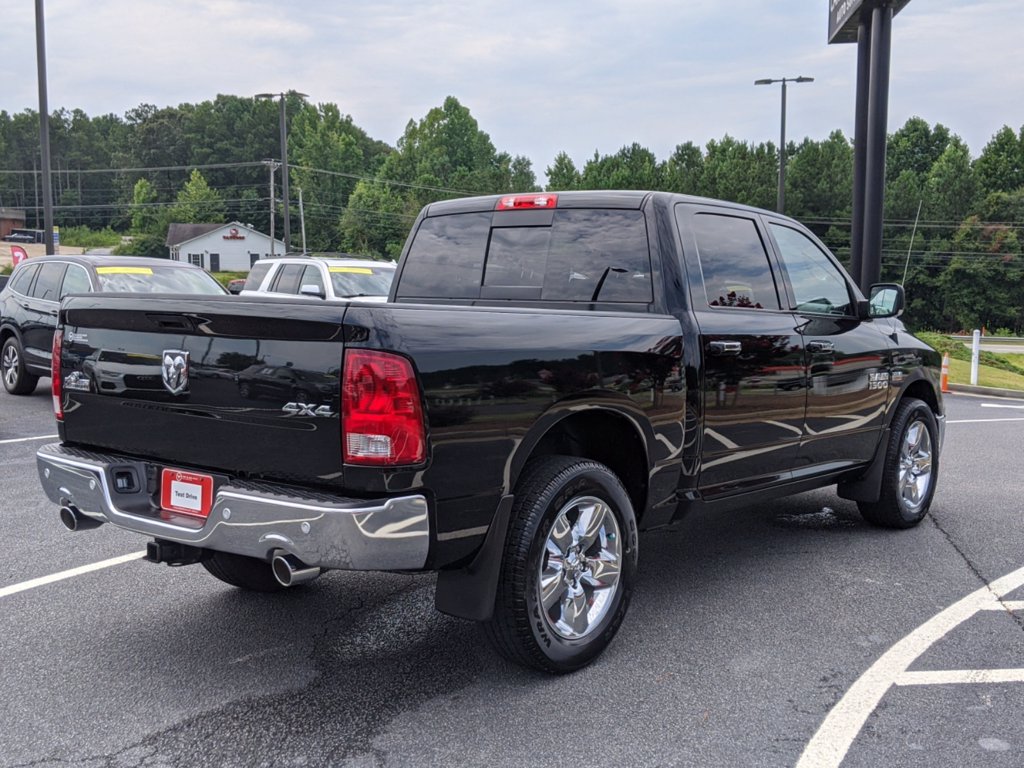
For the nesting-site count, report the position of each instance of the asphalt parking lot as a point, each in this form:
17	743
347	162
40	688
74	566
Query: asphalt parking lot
790	633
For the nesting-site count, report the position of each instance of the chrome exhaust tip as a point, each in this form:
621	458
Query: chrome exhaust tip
74	520
290	571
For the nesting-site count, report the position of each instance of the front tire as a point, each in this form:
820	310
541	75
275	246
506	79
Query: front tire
568	566
911	469
247	573
17	380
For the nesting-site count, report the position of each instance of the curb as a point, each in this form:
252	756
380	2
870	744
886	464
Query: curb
987	391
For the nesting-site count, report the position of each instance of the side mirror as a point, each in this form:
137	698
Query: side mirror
310	289
887	300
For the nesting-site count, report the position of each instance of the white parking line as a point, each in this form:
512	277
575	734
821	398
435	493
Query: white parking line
27	439
948	676
979	421
43	580
828	747
1001	405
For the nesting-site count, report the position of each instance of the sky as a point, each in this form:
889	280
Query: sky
540	78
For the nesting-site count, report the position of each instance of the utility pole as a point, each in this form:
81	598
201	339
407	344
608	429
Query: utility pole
273	165
302	221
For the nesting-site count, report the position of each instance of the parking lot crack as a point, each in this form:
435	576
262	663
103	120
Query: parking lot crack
1017	619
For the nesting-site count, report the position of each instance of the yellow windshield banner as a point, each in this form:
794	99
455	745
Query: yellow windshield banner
124	270
352	270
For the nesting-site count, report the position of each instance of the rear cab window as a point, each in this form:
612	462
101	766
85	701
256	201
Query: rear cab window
574	255
258	271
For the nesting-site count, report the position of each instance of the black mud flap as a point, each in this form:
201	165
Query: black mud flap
469	592
868	487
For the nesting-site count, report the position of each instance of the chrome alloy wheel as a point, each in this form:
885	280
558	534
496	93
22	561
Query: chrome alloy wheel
915	465
10	366
580	567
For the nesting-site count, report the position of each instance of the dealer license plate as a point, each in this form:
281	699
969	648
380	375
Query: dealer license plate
188	493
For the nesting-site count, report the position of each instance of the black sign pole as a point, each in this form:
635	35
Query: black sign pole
44	130
878	113
860	148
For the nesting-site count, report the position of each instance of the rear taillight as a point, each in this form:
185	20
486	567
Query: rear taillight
381	413
55	377
519	202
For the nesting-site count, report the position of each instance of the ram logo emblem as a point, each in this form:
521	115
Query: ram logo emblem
174	370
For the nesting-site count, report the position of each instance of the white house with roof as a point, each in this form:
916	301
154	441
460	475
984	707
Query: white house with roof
232	247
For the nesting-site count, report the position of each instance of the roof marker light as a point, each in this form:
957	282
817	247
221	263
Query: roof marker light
522	202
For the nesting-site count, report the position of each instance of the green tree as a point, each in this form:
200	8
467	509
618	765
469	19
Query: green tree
1000	167
632	167
819	181
915	147
144	211
950	187
683	171
562	174
197	203
376	221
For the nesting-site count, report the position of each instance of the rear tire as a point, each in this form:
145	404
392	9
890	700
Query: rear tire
243	572
911	469
17	380
568	566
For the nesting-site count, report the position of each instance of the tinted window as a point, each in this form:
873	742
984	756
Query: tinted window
156	279
734	262
598	255
287	280
23	278
47	286
818	286
76	280
447	257
350	282
256	274
583	255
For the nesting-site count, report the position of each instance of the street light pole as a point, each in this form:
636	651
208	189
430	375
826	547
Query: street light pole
781	202
284	160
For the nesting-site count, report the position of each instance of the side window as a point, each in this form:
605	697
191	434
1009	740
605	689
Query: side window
818	285
734	262
23	279
288	278
311	276
76	280
256	274
47	286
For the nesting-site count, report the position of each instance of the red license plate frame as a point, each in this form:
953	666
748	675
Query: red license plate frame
186	493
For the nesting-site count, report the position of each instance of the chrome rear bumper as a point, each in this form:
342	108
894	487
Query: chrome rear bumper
248	519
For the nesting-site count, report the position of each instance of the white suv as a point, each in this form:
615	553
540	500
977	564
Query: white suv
318	277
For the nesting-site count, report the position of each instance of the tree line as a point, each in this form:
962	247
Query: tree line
952	222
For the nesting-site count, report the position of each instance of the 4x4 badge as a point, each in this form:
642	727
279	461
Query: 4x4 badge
174	370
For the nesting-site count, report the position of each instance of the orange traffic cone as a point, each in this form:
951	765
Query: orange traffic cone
944	380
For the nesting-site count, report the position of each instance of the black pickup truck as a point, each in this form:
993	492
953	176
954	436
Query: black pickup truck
552	373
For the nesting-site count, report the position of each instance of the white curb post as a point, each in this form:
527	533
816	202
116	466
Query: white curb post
975	354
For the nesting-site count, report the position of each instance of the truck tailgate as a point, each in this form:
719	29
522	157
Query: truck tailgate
249	388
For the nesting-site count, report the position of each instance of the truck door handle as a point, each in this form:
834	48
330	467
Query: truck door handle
821	346
721	348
